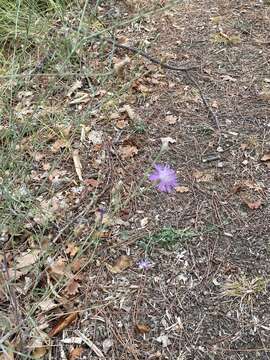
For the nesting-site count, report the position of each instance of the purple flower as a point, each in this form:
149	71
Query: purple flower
144	264
165	176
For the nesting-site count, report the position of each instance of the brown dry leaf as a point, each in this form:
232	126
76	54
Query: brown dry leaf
75	86
266	157
59	144
128	151
72	287
75	353
96	137
171	119
72	249
253	205
27	259
91	182
120	65
58	268
39	351
182	189
121	124
77	163
122	263
142	328
15	274
62	324
77	264
166	141
37	156
128	109
47	305
46	166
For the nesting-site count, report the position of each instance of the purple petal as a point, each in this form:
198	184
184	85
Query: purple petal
166	177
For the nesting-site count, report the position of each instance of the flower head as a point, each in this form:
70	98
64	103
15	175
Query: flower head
165	177
144	264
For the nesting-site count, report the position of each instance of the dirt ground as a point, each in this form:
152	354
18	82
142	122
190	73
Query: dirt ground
206	294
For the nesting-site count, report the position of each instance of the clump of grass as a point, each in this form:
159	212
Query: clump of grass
21	20
244	288
166	238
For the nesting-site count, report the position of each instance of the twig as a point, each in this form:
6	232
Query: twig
205	102
91	345
148	57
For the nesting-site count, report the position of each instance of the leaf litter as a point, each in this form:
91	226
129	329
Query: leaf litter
119	293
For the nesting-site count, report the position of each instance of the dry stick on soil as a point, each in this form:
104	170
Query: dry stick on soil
186	70
205	102
149	57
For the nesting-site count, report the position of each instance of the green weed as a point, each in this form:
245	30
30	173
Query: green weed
167	238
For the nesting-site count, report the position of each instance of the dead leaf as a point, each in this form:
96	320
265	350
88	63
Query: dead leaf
47	305
15	274
72	287
75	86
77	163
130	112
120	65
39	352
40	345
253	205
107	345
121	124
27	259
182	189
91	182
58	268
95	137
164	340
59	144
72	249
62	324
77	264
142	328
266	157
122	263
166	141
75	353
37	156
171	119
128	151
144	222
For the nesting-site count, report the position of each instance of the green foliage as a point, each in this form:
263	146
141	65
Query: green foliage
167	238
